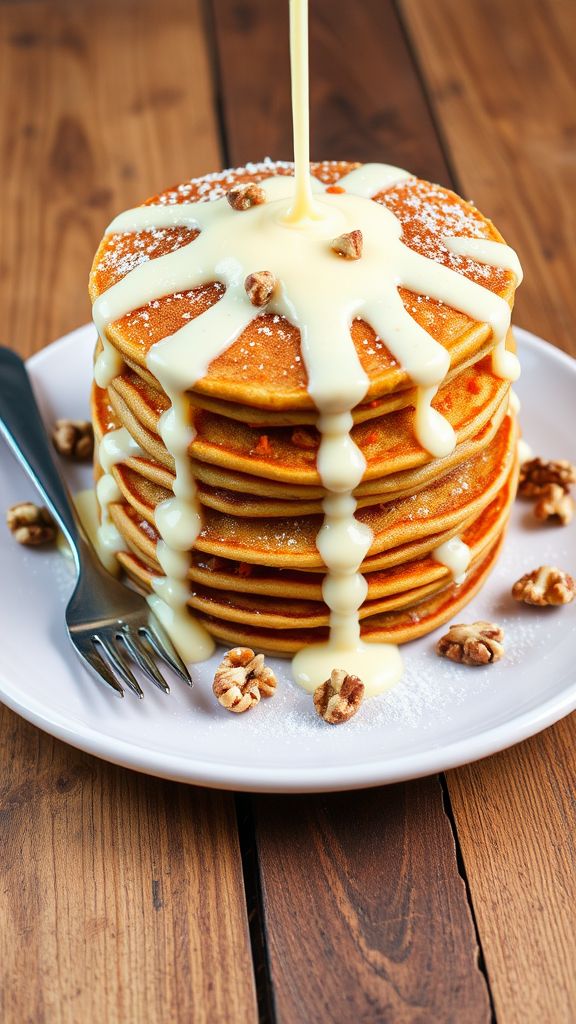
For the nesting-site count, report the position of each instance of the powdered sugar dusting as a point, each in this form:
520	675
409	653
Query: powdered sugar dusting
427	213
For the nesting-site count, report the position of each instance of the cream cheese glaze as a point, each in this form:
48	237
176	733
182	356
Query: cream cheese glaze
455	555
321	293
115	447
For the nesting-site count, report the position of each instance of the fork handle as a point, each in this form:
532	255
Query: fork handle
22	426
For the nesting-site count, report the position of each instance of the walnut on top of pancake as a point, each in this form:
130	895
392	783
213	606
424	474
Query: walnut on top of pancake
264	367
242	197
349	245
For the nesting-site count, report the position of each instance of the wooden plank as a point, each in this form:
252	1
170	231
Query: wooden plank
101	106
365	913
366	102
516	817
510	83
121	897
505	101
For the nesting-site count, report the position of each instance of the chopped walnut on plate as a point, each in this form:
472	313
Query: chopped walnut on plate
74	439
545	586
31	525
537	474
241	679
338	698
554	503
479	643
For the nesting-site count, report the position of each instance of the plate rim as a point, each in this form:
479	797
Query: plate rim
267	779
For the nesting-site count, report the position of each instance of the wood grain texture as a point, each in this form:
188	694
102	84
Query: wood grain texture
516	816
502	80
102	103
510	86
365	910
121	897
365	913
365	100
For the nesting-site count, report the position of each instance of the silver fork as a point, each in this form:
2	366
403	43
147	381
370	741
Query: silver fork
110	626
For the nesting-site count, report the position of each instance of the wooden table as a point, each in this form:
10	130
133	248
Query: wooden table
125	898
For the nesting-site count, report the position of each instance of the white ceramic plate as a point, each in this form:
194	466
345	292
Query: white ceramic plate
439	716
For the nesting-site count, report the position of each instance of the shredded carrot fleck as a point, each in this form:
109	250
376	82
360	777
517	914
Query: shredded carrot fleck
304	439
214	563
336	190
372	437
473	386
263	447
443	403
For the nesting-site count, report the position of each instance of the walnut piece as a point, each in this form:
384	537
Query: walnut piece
242	197
74	439
241	679
339	698
260	287
31	524
554	503
479	643
545	586
536	474
349	245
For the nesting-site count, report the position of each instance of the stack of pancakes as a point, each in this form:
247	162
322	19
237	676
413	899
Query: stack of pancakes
256	573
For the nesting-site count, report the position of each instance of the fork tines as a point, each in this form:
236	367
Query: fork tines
108	651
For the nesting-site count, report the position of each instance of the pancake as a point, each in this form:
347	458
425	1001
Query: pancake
250	431
140	392
291	542
285	455
398	627
141	537
218	488
264	368
235	577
